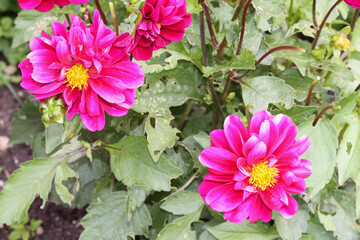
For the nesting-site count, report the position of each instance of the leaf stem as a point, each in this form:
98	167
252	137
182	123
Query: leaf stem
204	5
353	21
267	54
312	85
238	9
322	113
238	51
111	147
98	6
206	63
316	39
314	15
183	187
227	85
113	15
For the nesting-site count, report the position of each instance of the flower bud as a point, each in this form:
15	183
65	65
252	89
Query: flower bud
52	111
341	42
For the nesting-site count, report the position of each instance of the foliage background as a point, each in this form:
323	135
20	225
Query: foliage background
139	176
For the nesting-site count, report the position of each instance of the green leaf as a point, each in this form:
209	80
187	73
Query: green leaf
316	231
244	230
246	60
132	164
53	136
348	157
298	113
291	229
266	90
267	13
34	224
26	123
192	6
299	83
183	203
343	223
17	234
136	197
180	229
160	137
32	178
63	173
321	154
347	105
106	219
30	23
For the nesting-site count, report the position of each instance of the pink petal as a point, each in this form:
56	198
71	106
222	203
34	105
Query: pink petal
300	146
224	198
242	212
257	119
45	6
29	4
256	154
218	139
219	159
289	210
93	123
207	186
218	178
171	35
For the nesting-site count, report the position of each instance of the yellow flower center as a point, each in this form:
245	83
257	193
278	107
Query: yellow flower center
77	76
262	176
159	25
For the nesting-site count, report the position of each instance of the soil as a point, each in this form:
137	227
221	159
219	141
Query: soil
59	223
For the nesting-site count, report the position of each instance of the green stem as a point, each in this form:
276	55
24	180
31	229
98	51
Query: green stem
290	13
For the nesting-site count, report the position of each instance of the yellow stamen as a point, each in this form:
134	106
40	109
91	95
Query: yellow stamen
262	176
159	25
77	76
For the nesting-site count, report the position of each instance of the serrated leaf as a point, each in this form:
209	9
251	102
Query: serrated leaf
53	136
348	157
26	123
343	223
180	229
30	23
32	178
246	60
291	229
132	164
136	197
298	113
244	230
266	90
106	219
183	203
160	137
316	231
321	154
63	173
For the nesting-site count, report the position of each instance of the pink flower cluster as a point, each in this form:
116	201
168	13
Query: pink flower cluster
353	3
47	5
254	170
87	67
162	22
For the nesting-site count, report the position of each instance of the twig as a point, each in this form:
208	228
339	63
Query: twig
98	6
183	187
113	15
316	39
208	20
322	113
312	85
353	21
238	51
314	15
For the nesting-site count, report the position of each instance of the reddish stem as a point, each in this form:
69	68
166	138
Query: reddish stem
238	51
102	15
322	113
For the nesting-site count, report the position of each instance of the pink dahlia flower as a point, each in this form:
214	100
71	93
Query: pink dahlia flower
353	3
254	170
85	68
46	5
161	22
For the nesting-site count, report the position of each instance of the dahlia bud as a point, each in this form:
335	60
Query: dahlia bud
341	42
52	111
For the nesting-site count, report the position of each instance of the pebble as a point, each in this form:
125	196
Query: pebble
39	231
3	144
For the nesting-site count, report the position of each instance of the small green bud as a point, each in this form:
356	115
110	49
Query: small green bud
52	111
230	96
318	53
208	99
244	120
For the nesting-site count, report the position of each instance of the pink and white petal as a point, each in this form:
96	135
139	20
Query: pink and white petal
218	178
289	137
219	159
70	96
224	198
108	93
74	109
172	35
257	119
63	53
92	103
297	187
271	200
207	186
241	213
304	169
300	146
288	160
218	139
256	154
93	123
289	210
268	133
250	144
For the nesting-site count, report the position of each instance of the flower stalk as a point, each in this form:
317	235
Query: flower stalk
113	15
322	113
238	51
102	15
204	5
314	15
316	39
312	85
